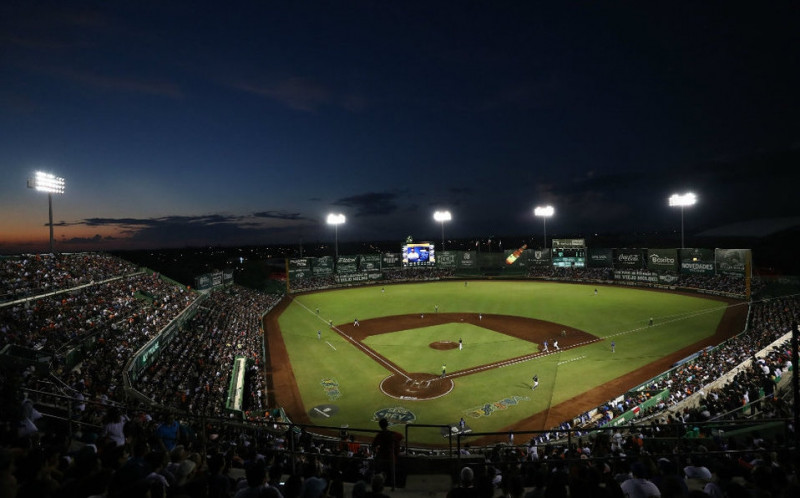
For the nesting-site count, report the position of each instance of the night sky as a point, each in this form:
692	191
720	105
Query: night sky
210	123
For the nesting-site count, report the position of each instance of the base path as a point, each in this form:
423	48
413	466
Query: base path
283	390
422	386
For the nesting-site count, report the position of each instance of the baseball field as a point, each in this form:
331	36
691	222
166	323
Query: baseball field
402	359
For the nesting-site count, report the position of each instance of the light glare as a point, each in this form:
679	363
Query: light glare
545	211
335	219
687	199
47	182
442	216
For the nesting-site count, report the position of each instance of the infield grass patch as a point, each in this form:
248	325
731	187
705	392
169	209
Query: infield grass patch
410	349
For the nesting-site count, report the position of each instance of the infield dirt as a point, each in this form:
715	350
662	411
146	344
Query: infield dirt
283	390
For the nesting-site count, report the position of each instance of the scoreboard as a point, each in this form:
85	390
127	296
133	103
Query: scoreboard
569	257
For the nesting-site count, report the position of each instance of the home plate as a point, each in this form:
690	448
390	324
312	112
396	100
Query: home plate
323	411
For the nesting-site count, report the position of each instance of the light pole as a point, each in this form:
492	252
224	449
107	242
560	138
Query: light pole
47	182
687	199
336	220
544	212
441	217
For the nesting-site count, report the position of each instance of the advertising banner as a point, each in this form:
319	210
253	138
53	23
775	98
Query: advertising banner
299	263
731	261
600	257
227	276
348	278
202	282
321	267
667	278
369	262
391	260
636	276
513	263
295	275
299	268
632	259
537	257
216	278
696	261
662	259
468	259
447	259
347	264
569	243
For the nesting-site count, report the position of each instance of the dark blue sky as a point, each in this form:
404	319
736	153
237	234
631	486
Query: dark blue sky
197	123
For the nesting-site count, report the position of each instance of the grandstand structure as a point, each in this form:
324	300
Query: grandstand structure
92	344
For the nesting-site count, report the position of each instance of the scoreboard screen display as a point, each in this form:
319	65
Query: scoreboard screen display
419	254
569	258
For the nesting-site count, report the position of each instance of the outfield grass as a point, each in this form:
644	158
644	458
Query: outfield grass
620	314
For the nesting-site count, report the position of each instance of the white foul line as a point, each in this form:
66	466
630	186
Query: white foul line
363	347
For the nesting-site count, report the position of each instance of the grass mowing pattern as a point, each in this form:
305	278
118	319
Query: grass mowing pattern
617	313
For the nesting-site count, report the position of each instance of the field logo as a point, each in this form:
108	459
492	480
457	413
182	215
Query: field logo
331	388
488	408
395	415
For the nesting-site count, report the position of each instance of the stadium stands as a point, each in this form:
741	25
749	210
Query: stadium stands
712	436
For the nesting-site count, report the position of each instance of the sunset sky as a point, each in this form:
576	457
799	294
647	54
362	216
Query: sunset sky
209	123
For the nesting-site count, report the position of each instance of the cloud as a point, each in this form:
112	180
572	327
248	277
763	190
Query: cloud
87	240
371	203
296	93
303	94
179	231
280	215
118	84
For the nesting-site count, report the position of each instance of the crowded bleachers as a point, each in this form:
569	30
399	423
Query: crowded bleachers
194	375
36	274
395	276
721	284
181	444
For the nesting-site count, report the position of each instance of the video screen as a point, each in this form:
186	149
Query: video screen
419	254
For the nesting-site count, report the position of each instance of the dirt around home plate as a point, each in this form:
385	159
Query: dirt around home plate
283	390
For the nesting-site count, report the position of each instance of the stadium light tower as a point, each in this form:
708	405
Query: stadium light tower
47	182
544	212
336	220
687	199
441	217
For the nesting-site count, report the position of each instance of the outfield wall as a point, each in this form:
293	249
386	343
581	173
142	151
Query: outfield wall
656	268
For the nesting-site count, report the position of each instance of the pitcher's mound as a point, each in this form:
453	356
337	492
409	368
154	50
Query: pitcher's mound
443	345
416	386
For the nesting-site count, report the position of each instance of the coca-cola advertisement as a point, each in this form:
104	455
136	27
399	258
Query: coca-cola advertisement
629	258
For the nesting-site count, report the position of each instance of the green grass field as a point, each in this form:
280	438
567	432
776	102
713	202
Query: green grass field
334	371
